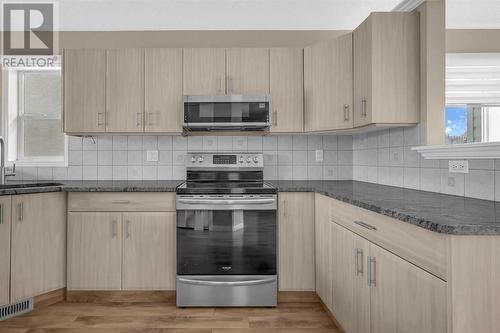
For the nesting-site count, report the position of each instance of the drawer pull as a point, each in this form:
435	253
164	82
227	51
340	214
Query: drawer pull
121	202
365	225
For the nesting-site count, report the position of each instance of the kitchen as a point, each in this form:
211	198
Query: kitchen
192	166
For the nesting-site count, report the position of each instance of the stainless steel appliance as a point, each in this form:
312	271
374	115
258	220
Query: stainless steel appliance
226	232
226	112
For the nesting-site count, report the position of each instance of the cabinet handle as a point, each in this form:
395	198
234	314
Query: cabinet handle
120	202
20	209
127	229
284	208
365	225
358	258
346	112
363	107
99	123
275	117
114	229
1	213
371	266
230	87
220	85
138	118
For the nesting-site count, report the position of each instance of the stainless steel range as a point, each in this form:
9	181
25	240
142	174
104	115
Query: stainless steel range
226	232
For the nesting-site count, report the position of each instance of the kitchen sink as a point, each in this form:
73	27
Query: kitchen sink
27	185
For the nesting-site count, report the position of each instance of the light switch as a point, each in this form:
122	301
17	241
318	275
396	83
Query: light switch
152	156
319	155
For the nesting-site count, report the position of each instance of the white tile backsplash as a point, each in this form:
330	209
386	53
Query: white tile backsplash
397	164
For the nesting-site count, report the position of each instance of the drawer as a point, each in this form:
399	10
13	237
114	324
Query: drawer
121	202
423	248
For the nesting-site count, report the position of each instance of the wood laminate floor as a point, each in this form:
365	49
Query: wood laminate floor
291	316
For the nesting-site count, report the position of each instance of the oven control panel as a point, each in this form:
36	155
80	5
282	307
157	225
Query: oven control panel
225	160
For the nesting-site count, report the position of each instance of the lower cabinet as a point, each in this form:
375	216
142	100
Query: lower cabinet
94	251
125	247
5	223
149	251
370	289
404	298
350	290
38	244
296	241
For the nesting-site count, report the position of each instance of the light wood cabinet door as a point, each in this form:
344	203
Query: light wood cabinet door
362	46
84	78
350	291
323	244
163	90
38	263
125	90
204	71
149	249
296	241
247	71
328	85
94	251
387	69
5	223
405	298
287	89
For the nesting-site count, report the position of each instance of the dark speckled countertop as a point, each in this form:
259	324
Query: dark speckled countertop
441	213
433	211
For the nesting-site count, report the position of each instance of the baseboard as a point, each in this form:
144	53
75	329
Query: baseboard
52	297
332	316
157	296
121	296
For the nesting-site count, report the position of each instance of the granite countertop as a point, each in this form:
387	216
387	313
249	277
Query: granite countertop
441	213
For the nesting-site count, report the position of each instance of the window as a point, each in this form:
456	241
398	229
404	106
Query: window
34	127
472	97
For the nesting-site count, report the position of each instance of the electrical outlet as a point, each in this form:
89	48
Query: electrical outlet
319	155
458	166
152	156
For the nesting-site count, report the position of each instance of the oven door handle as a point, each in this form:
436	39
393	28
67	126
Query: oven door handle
226	202
226	283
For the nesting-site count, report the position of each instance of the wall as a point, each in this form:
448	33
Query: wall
123	157
385	157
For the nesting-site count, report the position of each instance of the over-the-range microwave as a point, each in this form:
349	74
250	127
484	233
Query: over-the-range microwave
226	113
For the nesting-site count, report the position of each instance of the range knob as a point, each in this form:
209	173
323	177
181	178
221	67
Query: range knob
249	159
200	159
241	159
256	159
193	159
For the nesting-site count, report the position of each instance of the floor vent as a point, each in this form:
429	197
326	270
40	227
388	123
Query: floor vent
16	309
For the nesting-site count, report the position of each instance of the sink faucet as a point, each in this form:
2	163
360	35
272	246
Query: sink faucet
3	174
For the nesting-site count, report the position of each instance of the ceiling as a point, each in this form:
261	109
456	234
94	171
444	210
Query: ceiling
107	15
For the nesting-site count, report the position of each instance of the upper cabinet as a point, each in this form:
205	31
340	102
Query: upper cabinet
387	69
125	90
163	90
286	87
218	71
122	90
328	85
204	71
84	90
247	71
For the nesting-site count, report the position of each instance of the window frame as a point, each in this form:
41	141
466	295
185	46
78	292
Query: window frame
13	115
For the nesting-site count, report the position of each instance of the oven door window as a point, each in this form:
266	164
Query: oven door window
219	112
219	242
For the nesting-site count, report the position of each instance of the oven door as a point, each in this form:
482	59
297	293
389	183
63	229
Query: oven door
226	234
226	112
